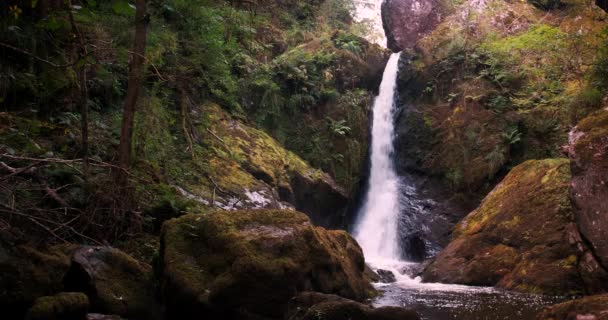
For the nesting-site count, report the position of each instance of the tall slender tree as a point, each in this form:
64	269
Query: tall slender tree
133	88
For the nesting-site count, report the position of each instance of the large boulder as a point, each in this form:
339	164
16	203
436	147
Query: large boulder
115	282
248	264
521	236
589	153
588	308
319	306
27	274
406	21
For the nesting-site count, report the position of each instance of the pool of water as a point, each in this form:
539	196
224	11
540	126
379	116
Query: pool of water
436	301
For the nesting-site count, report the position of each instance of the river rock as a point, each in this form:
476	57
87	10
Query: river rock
115	282
318	306
386	276
62	306
518	238
588	150
406	21
588	308
27	273
248	264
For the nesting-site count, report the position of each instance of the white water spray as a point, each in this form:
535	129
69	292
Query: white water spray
376	230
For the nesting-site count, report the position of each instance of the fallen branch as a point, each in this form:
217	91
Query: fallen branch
29	54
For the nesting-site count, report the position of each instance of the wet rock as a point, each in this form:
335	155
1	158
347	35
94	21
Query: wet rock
98	316
318	306
518	237
62	306
588	150
320	198
588	308
115	282
247	264
27	273
406	21
386	276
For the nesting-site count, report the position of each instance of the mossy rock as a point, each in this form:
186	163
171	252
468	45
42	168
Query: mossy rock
27	273
518	237
115	282
62	306
589	308
233	264
318	306
589	153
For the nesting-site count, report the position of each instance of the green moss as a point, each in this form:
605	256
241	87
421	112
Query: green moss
271	252
594	129
65	305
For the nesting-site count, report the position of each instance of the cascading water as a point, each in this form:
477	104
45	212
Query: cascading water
376	230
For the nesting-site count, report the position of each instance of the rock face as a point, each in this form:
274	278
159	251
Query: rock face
248	264
589	153
260	174
588	308
318	306
115	282
406	21
521	236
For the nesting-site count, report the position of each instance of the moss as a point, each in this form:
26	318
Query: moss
65	305
595	130
115	282
516	238
220	256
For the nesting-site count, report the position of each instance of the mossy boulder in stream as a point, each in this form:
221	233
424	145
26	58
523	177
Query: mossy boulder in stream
248	264
319	306
519	237
587	308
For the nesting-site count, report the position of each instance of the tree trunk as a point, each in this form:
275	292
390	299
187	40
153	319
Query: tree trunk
133	88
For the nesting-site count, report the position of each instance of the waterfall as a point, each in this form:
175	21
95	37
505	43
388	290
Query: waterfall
376	228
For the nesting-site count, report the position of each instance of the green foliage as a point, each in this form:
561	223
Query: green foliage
349	42
512	135
338	127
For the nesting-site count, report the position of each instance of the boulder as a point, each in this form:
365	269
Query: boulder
62	306
26	274
587	308
318	306
407	21
519	237
115	282
248	264
386	276
588	151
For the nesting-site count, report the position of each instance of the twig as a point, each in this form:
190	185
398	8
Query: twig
52	64
218	138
